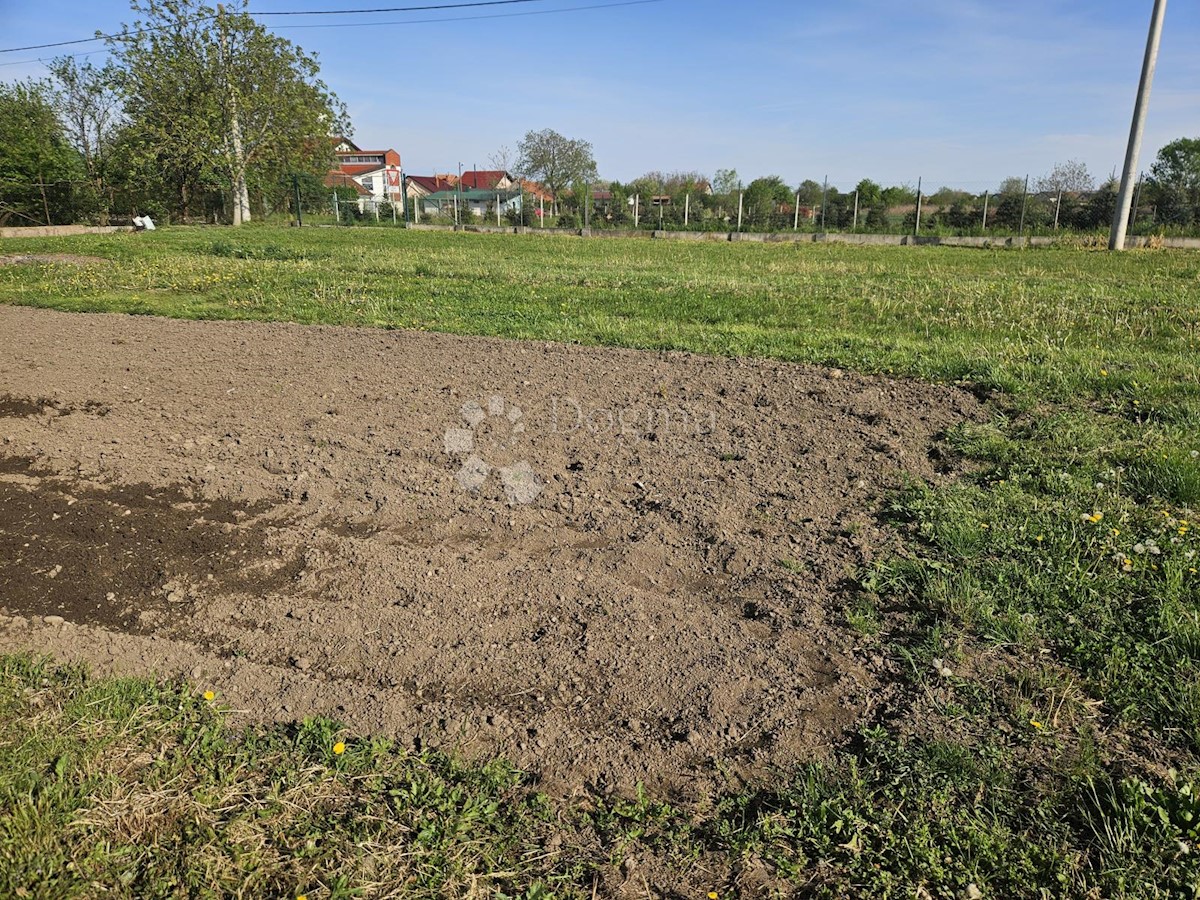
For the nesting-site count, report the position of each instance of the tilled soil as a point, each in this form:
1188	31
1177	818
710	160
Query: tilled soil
611	566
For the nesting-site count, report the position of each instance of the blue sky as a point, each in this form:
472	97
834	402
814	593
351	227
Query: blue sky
958	92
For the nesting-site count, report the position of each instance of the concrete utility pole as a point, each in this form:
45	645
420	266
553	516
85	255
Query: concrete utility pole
1116	238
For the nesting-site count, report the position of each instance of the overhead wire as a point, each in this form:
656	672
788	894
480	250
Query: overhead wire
310	12
540	12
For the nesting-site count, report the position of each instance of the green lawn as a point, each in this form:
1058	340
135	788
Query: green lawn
1056	585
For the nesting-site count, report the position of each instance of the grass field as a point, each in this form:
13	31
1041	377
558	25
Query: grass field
1046	611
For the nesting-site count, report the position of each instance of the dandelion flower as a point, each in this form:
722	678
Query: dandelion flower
339	748
712	895
1035	723
210	696
1104	373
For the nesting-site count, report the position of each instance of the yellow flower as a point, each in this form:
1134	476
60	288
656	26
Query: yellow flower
1104	373
302	897
209	695
1035	723
339	748
1116	532
712	895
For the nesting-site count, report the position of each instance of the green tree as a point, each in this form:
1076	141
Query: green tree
726	182
1014	184
1175	177
810	193
554	160
870	194
764	197
89	107
37	164
898	195
214	100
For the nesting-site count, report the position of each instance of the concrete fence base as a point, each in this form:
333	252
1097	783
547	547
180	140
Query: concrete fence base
61	230
822	237
780	237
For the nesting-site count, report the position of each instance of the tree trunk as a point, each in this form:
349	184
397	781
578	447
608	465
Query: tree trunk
241	195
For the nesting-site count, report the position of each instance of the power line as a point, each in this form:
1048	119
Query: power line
540	12
311	12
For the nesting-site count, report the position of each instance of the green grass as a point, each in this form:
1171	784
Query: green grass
1044	617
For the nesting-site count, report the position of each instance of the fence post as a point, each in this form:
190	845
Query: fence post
637	201
375	206
1057	208
796	217
854	227
1024	198
741	197
337	213
985	203
542	206
917	223
824	195
687	208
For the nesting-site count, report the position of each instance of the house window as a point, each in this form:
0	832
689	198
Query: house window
369	184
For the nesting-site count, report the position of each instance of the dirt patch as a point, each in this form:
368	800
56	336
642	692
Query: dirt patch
70	547
611	566
38	259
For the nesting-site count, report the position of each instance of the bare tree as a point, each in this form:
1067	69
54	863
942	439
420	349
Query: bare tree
1069	177
503	159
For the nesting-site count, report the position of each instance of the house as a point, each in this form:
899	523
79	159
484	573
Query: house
375	174
488	180
439	194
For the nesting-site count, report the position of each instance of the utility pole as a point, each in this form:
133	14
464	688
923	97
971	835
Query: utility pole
1057	208
1116	237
